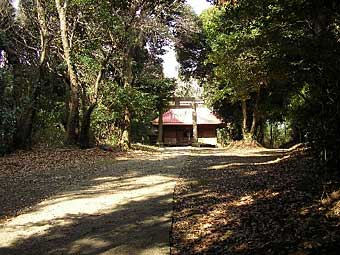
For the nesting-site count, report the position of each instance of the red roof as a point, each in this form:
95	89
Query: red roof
183	116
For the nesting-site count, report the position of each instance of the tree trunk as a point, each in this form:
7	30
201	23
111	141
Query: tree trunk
73	116
43	32
271	135
24	129
126	135
23	135
255	115
160	128
84	138
245	133
261	131
194	125
125	142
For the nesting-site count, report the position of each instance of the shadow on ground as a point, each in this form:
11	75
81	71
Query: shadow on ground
120	207
119	232
255	202
262	202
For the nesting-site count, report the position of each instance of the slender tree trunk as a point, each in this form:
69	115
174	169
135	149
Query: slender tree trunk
23	135
194	124
44	46
126	135
73	116
271	135
160	128
245	132
43	32
84	138
255	115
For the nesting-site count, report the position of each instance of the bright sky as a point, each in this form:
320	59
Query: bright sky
198	5
15	3
170	64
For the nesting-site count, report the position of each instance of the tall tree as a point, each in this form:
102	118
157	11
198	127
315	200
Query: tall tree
25	125
145	24
26	51
73	104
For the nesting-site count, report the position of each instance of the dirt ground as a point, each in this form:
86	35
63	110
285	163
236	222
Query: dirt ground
173	201
92	203
256	202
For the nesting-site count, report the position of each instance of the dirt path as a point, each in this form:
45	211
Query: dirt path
120	207
238	202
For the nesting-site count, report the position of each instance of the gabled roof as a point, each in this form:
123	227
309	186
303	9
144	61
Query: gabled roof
183	116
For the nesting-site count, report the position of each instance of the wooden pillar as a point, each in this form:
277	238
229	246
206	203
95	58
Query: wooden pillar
160	141
194	125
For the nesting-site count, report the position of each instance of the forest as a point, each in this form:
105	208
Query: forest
83	170
84	72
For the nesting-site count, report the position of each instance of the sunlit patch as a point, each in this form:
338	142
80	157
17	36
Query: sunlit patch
304	211
104	198
265	194
155	220
225	166
335	210
218	167
170	167
107	178
245	200
274	161
250	173
195	194
272	194
227	235
207	223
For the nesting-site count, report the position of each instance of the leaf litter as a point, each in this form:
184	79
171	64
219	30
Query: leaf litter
241	202
29	177
264	202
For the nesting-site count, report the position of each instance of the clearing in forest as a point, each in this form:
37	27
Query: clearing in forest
226	202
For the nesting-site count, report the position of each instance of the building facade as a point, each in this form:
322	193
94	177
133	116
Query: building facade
188	122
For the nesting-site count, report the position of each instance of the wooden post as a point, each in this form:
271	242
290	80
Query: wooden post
160	129
194	125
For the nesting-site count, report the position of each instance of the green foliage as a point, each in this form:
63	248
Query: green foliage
287	49
278	134
237	61
190	44
152	98
7	112
48	129
224	136
115	50
103	125
144	101
313	65
49	137
279	57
